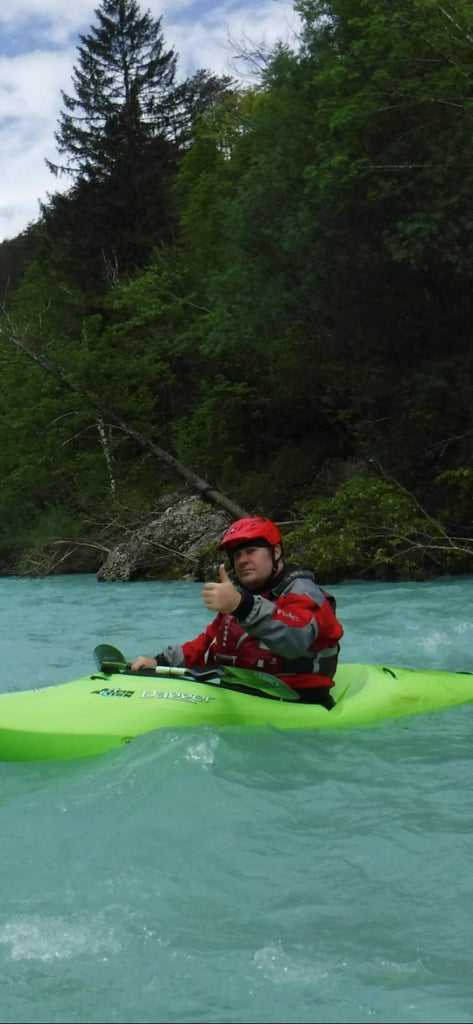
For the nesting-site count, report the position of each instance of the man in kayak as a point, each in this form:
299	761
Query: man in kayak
277	621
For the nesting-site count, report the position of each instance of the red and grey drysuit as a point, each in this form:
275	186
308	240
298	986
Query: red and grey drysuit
289	630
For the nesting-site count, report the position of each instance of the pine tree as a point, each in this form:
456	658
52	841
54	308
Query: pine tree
116	134
123	85
121	133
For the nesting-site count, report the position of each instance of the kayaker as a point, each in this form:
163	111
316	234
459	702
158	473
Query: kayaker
278	620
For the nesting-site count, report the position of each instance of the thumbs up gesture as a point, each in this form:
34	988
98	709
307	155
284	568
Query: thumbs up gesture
222	596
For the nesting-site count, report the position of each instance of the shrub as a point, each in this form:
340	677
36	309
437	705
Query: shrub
373	528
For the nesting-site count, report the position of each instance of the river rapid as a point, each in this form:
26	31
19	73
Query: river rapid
242	878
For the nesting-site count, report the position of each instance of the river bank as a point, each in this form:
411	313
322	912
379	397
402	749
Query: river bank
368	529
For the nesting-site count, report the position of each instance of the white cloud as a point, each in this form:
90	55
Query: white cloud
38	51
226	28
29	103
51	12
30	83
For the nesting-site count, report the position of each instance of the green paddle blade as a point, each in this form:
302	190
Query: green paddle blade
109	659
260	681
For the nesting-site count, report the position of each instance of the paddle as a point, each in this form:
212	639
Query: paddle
260	681
109	660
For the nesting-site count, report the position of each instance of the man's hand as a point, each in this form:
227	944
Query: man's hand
142	662
221	597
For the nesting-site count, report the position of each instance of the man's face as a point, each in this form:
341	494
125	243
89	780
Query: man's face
254	565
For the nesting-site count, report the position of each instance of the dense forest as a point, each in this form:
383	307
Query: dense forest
269	286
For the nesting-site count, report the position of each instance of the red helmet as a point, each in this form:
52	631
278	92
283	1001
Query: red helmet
244	531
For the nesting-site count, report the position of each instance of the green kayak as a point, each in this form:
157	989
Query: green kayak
100	712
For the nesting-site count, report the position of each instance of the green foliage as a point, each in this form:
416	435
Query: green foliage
456	488
260	281
217	424
373	528
15	254
271	486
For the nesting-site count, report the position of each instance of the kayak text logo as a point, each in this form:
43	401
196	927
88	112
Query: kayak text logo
191	698
105	692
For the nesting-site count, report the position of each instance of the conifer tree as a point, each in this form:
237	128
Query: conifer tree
121	132
115	134
122	86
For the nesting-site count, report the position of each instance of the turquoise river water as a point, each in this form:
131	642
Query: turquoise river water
238	878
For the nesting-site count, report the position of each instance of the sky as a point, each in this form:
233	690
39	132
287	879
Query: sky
38	51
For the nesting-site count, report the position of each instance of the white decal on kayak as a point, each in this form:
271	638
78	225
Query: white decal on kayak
191	698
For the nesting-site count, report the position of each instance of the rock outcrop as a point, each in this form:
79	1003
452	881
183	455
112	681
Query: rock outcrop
178	541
